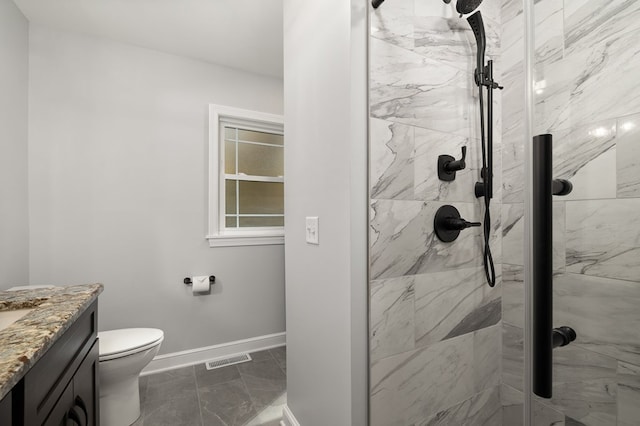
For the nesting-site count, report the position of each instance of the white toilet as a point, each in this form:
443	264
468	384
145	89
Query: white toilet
123	355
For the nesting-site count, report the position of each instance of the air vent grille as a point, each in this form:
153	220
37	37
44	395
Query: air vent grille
219	363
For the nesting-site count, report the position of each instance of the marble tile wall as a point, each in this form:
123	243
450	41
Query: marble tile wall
586	95
435	325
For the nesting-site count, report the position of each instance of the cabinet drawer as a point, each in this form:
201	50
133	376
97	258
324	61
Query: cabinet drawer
47	380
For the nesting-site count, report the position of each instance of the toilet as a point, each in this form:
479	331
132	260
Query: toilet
123	355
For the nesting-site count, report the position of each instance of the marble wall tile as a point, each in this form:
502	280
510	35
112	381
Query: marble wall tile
513	234
403	241
568	421
544	415
512	32
589	22
410	387
628	394
584	385
487	362
512	406
579	155
512	356
513	166
429	145
392	316
584	156
483	409
603	237
604	313
628	157
392	160
409	88
394	23
549	37
513	295
452	303
570	91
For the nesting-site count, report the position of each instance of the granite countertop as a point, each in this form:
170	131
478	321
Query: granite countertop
24	342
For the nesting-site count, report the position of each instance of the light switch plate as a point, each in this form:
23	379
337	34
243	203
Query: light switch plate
312	229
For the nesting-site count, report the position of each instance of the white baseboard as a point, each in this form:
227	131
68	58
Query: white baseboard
288	419
175	360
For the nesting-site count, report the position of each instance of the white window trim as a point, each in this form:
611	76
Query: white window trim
218	236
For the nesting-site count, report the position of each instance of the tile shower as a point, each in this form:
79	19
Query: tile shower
445	348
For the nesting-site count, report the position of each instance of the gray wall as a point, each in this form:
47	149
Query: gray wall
325	163
14	216
588	97
435	323
118	169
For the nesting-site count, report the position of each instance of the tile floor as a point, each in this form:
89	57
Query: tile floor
248	394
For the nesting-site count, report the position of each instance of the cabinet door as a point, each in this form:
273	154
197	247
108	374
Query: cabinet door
5	410
85	386
59	416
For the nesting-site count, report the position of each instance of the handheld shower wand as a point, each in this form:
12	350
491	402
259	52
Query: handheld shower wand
484	79
477	26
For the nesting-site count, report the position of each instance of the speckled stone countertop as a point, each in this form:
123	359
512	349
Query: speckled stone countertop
24	342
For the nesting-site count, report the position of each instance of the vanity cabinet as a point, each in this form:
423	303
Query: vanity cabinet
61	389
5	410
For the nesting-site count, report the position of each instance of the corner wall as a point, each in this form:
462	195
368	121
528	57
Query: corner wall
435	333
14	216
118	169
325	165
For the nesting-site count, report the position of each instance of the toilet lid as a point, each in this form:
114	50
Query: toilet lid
114	342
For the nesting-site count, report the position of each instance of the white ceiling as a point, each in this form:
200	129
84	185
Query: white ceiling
244	34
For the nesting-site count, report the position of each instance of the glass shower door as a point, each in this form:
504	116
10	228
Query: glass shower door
583	68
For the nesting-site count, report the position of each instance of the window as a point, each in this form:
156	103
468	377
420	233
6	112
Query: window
246	173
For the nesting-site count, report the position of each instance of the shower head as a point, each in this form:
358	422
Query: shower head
467	6
475	21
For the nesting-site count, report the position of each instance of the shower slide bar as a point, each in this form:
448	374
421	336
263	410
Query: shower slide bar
544	336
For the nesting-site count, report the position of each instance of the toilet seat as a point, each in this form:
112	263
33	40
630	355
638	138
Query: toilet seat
128	341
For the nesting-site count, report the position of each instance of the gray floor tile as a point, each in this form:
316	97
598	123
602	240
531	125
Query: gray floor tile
173	412
226	404
265	382
248	394
173	384
142	386
170	375
261	355
206	377
280	355
268	416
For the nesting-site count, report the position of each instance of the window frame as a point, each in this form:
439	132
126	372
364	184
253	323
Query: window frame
218	235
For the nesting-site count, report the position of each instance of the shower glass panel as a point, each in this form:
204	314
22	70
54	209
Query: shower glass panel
585	62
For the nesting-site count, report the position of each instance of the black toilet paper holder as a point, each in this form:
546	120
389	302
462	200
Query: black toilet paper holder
187	281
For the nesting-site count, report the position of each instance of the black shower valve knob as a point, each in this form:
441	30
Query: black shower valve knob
454	166
458	224
448	223
448	166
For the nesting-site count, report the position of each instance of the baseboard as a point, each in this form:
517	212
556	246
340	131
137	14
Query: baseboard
175	360
288	419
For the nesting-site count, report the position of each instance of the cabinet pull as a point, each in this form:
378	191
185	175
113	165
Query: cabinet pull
75	416
80	403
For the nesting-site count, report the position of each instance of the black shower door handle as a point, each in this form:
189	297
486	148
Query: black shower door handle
544	336
542	266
